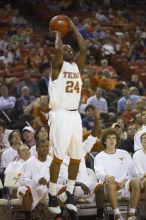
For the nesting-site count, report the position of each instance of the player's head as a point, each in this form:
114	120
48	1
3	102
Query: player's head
109	138
67	53
42	148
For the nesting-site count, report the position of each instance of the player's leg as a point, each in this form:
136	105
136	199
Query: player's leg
99	196
54	172
27	204
60	137
134	197
112	198
75	152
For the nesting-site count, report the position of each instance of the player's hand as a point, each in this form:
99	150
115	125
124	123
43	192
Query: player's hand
85	189
121	184
110	179
71	24
43	181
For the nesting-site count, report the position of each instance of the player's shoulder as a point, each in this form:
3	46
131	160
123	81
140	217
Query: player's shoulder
140	130
138	153
123	152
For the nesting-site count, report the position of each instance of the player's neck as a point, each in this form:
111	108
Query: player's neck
110	150
42	159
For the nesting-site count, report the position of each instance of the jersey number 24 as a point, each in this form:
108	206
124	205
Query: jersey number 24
72	86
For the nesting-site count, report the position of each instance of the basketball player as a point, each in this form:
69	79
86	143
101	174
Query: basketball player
113	167
34	182
139	159
64	119
137	137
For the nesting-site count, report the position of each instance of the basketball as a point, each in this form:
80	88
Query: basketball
59	23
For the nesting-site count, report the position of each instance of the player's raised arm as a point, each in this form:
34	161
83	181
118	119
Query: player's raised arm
81	56
58	60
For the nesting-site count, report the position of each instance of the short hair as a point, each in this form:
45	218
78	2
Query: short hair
11	135
88	107
21	147
142	136
106	132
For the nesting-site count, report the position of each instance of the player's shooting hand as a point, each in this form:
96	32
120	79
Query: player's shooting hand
43	181
71	24
85	189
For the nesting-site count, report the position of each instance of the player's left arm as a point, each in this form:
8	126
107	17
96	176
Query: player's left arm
81	56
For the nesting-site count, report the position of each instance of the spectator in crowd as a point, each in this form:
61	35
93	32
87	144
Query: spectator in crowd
134	81
126	95
140	105
88	120
6	101
25	99
11	153
28	135
44	81
86	89
30	83
128	143
107	165
122	133
128	115
98	101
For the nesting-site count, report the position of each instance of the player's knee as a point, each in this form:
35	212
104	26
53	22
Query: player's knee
57	160
109	186
75	161
135	183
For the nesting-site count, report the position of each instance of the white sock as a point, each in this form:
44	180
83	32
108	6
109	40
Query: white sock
70	186
116	211
53	188
132	210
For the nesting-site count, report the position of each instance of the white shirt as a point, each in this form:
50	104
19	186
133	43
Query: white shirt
6	136
118	164
65	91
15	166
34	169
139	163
137	141
9	155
